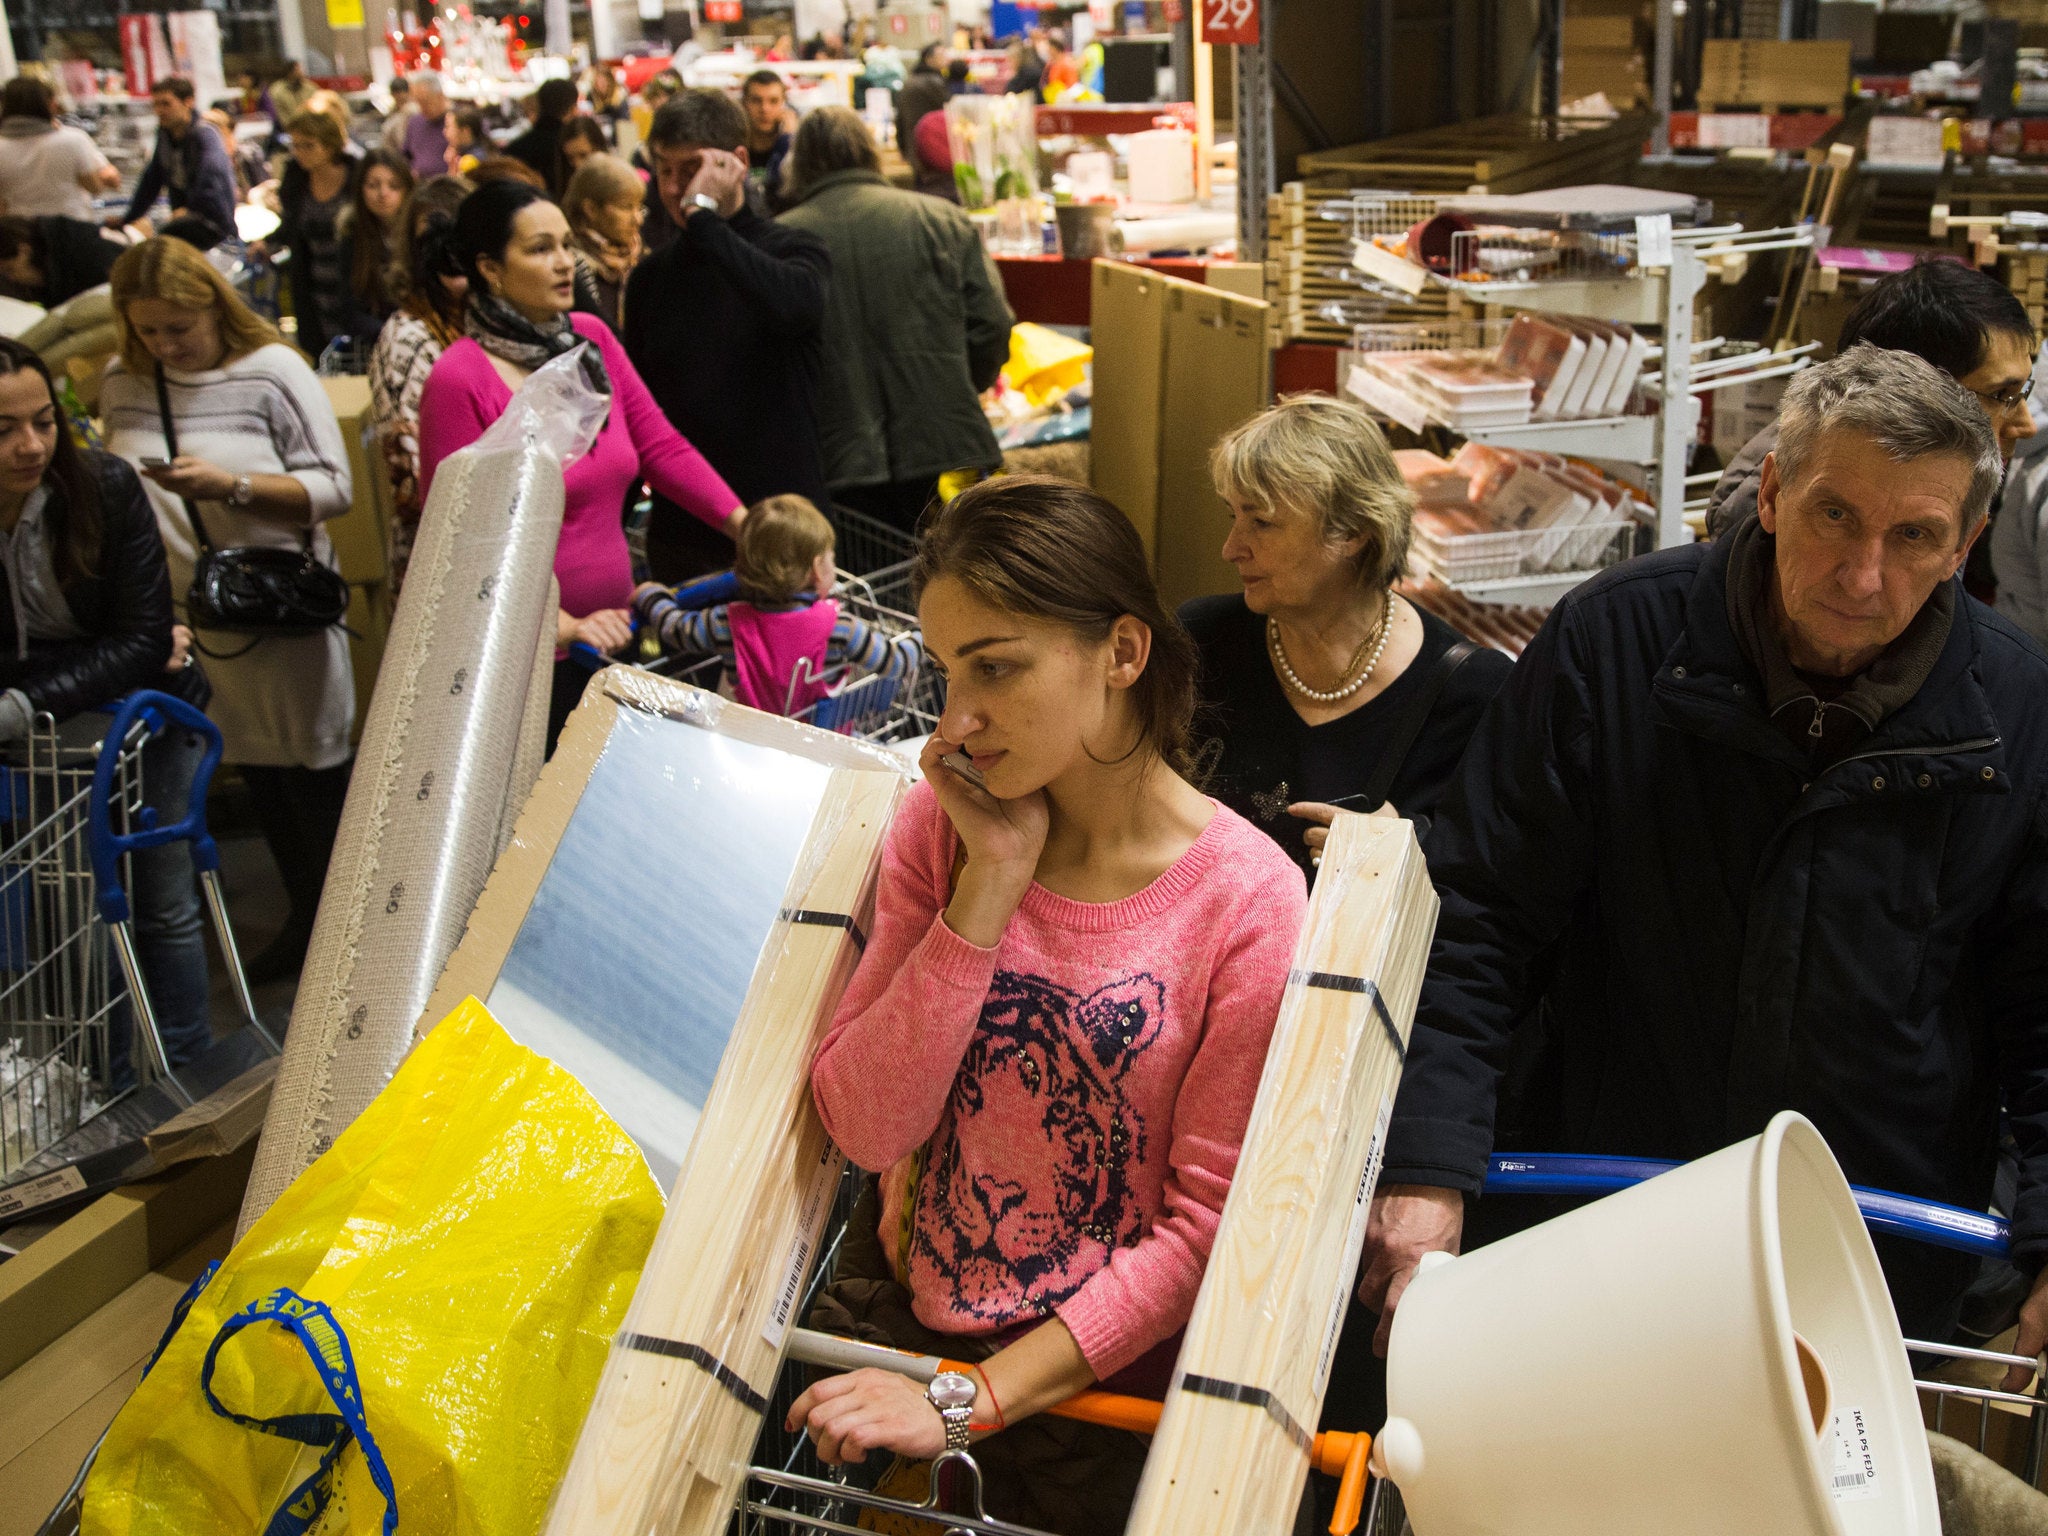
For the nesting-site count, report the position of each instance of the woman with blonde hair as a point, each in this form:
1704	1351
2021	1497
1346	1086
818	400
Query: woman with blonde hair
604	203
313	200
1325	687
262	463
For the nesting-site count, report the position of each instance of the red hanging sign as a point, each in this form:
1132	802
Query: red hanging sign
722	10
1175	10
1230	21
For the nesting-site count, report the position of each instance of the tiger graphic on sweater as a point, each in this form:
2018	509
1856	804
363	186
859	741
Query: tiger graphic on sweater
994	1227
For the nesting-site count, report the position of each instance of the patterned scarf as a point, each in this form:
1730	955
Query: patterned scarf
503	331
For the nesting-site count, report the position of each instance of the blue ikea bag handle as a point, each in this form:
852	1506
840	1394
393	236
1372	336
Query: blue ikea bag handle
1926	1221
313	1325
158	711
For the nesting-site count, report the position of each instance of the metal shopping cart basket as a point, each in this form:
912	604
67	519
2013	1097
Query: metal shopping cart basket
789	1490
59	983
72	811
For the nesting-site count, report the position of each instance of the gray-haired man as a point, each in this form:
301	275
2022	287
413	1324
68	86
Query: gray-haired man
1758	825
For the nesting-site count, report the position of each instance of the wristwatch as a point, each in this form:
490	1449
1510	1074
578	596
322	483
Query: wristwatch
708	204
953	1395
243	493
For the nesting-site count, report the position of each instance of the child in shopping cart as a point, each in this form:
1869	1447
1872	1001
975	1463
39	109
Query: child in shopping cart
784	642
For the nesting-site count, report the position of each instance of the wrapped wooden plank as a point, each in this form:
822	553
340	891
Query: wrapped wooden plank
1233	1444
680	1403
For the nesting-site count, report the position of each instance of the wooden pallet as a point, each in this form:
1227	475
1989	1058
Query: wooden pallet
1492	154
1232	1448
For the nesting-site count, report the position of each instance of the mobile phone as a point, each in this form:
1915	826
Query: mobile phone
151	461
959	763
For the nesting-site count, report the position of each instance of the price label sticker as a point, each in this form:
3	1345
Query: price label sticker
1230	21
1653	240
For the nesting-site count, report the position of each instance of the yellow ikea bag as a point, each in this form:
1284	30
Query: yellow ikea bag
414	1330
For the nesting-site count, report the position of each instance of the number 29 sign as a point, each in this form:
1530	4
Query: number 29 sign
1230	21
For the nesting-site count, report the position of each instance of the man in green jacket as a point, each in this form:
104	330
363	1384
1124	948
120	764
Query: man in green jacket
916	325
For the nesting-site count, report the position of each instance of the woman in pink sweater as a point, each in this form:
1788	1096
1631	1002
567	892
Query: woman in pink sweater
514	244
1052	1044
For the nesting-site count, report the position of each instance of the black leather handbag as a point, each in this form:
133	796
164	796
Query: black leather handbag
252	589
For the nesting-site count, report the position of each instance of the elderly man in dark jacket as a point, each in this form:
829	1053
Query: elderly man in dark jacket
916	325
1760	825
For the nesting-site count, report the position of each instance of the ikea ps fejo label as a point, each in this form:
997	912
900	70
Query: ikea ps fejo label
1852	1471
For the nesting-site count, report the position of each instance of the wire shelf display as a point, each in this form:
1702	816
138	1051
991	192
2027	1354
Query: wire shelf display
1430	336
1469	560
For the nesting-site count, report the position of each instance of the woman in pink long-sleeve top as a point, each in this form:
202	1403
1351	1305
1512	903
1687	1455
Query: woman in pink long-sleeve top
1052	1044
514	245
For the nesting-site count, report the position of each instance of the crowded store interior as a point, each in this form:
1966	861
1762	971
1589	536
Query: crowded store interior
1024	767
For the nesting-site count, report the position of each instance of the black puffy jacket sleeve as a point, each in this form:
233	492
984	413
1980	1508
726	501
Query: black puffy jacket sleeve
1508	853
125	602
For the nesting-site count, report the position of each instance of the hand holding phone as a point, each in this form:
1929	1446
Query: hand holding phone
960	764
151	461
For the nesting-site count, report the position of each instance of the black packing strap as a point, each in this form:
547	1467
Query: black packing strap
701	1357
1256	1397
1333	983
826	920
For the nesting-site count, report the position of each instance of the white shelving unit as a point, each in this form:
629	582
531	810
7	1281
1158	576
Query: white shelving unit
1660	443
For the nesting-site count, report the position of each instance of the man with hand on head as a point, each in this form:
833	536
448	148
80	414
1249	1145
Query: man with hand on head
1757	825
724	324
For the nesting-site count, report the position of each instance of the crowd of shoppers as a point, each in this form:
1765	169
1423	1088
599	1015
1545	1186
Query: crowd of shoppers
1754	824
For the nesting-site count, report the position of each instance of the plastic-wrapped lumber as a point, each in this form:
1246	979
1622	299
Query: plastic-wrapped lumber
445	755
1232	1448
680	1404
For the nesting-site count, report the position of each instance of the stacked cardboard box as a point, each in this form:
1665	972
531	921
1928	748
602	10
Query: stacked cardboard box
1604	53
1773	75
2026	274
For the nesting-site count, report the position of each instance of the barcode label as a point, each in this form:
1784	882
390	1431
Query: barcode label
810	1227
1354	1244
1853	1467
51	1186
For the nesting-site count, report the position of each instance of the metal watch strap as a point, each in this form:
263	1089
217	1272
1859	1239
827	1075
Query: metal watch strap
952	1396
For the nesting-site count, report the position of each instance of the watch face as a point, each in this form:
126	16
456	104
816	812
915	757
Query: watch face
949	1389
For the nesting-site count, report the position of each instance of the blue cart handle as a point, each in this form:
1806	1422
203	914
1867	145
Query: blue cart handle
1926	1221
157	711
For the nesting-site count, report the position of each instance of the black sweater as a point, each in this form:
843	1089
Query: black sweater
723	325
1266	756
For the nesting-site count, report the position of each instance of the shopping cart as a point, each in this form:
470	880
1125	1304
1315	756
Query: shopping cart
114	839
788	1489
71	812
59	988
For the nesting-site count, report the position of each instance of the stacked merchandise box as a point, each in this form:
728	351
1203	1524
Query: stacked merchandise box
1603	52
1509	153
1773	75
1303	249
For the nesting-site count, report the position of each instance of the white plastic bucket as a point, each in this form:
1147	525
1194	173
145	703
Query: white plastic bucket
1631	1367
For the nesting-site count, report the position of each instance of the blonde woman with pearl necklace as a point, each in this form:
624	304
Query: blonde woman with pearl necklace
1322	687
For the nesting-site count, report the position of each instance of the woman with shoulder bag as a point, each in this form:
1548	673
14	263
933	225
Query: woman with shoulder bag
85	617
243	460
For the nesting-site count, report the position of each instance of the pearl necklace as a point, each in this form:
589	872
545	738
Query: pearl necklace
1377	641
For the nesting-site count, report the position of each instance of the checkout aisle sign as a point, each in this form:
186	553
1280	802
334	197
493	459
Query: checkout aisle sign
1230	21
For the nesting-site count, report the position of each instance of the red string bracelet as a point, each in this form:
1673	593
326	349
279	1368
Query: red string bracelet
989	1387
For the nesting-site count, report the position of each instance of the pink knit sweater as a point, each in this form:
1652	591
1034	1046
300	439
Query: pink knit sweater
1081	1090
464	394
